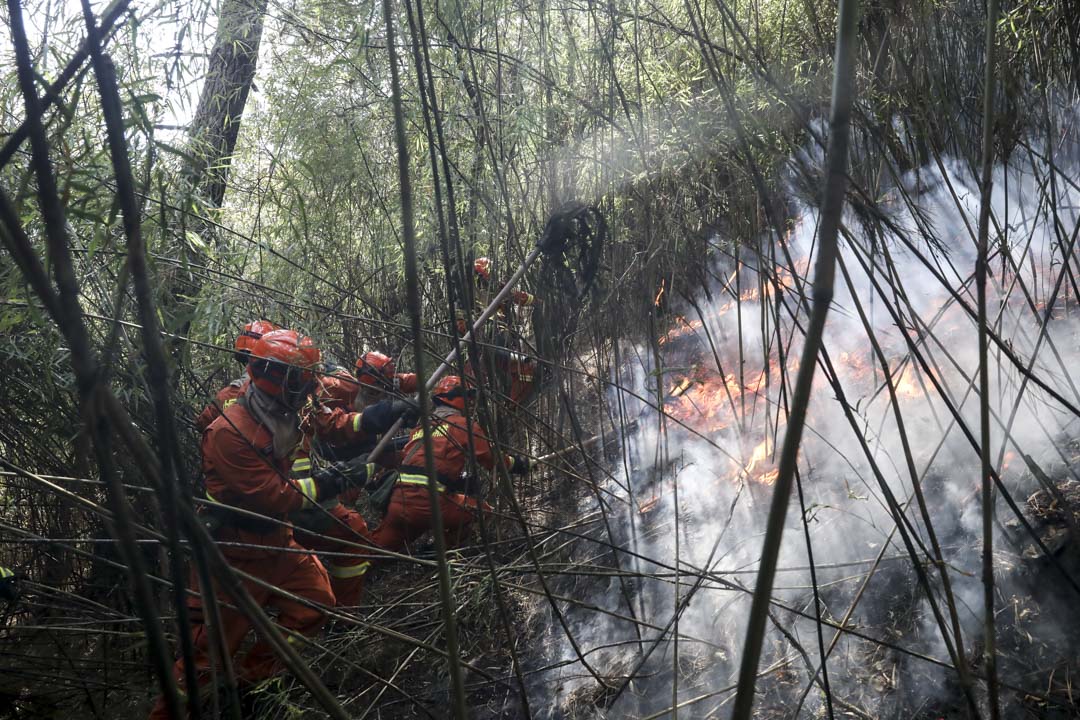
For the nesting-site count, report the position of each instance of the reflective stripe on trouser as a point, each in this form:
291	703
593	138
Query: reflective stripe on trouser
345	572
346	575
296	573
348	582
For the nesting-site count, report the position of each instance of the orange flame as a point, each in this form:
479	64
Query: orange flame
907	385
761	452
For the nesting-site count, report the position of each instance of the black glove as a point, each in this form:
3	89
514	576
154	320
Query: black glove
521	465
336	477
8	590
406	410
328	483
380	417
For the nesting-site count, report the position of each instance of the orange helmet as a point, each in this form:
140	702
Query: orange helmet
281	364
452	391
375	369
482	266
247	338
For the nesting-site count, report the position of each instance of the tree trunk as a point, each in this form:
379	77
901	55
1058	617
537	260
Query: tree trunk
221	105
213	135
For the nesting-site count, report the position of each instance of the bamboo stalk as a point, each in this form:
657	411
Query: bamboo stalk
831	209
431	114
989	626
408	231
168	453
84	363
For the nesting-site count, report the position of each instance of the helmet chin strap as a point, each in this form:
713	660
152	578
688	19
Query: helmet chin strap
295	399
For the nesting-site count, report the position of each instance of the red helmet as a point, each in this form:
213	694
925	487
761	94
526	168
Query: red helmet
245	341
282	362
375	369
250	335
452	391
482	266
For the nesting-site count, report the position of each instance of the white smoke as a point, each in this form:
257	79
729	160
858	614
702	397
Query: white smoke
722	504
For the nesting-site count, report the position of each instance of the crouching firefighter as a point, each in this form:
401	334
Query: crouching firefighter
347	421
338	435
408	514
378	377
247	457
380	399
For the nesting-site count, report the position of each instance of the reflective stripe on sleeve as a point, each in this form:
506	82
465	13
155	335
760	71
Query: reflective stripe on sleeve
308	490
5	573
356	422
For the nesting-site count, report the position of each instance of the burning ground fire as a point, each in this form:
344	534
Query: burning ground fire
696	479
705	401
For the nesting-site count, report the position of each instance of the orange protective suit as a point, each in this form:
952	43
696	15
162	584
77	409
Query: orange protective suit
409	513
241	471
225	397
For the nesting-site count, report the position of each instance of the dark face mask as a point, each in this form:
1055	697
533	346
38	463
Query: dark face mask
297	387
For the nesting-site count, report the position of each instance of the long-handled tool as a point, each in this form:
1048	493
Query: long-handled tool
572	222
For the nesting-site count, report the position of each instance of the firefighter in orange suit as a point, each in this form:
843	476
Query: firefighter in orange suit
338	435
409	513
515	372
482	268
347	420
378	377
232	392
484	291
352	412
248	457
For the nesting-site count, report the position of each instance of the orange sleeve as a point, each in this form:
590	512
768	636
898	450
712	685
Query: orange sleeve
523	298
237	473
225	397
337	426
209	414
406	382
